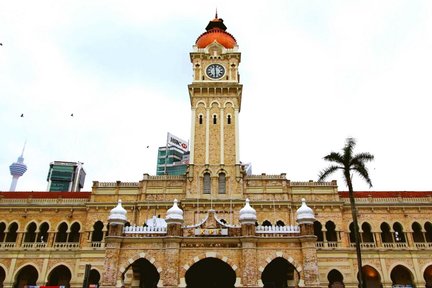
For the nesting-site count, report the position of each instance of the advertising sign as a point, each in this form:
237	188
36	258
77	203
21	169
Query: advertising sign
173	140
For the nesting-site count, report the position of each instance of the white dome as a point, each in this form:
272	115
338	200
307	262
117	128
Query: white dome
305	214
247	214
174	214
118	213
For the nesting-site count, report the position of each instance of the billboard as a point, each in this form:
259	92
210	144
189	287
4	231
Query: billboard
175	141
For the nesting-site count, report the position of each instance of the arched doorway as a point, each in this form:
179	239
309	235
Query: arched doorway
210	273
335	279
371	277
401	277
279	273
427	275
59	276
2	276
94	278
27	275
144	274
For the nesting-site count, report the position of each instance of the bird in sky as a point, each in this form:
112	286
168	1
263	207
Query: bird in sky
22	115
72	115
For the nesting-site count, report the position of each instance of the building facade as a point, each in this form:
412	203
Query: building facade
215	226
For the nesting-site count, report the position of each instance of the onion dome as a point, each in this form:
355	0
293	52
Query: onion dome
174	214
118	214
305	214
216	32
247	214
18	168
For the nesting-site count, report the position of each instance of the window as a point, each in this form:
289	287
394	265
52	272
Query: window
222	183
214	119
200	117
229	119
207	183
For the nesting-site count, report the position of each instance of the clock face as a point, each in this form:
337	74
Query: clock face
215	71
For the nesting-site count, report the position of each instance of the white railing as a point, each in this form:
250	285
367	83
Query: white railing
364	245
423	245
277	229
395	245
97	244
34	245
66	245
8	245
144	230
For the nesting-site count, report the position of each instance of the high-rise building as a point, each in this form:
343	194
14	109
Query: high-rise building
173	158
17	169
217	225
66	176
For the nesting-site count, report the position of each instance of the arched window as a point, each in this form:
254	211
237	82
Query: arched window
97	234
428	233
318	231
12	233
43	232
214	119
386	235
367	235
331	231
61	235
207	183
229	119
30	235
351	234
222	183
417	233
280	223
74	235
200	119
266	223
398	232
2	231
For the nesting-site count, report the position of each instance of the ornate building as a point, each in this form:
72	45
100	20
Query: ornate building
216	226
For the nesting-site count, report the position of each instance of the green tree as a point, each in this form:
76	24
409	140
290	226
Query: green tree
349	163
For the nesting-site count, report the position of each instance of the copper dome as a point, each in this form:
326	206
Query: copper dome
216	32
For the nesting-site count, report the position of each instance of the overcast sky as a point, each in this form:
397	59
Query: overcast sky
314	73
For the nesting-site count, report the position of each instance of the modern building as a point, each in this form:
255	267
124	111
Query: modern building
216	225
173	158
66	176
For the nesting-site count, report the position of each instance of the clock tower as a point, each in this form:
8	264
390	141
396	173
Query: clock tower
215	97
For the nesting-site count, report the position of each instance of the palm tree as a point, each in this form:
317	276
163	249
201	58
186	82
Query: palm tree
348	163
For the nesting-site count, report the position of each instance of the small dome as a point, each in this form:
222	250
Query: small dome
305	214
174	213
118	213
216	32
247	214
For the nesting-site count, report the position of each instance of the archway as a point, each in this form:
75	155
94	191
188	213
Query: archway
427	275
27	275
94	278
145	274
210	273
2	276
335	279
59	276
401	276
371	277
279	273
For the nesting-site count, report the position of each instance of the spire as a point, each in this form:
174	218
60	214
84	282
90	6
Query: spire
216	16
17	169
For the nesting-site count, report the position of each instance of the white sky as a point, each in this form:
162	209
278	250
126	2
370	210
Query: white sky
314	73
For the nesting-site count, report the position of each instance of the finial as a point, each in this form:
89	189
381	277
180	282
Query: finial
216	16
